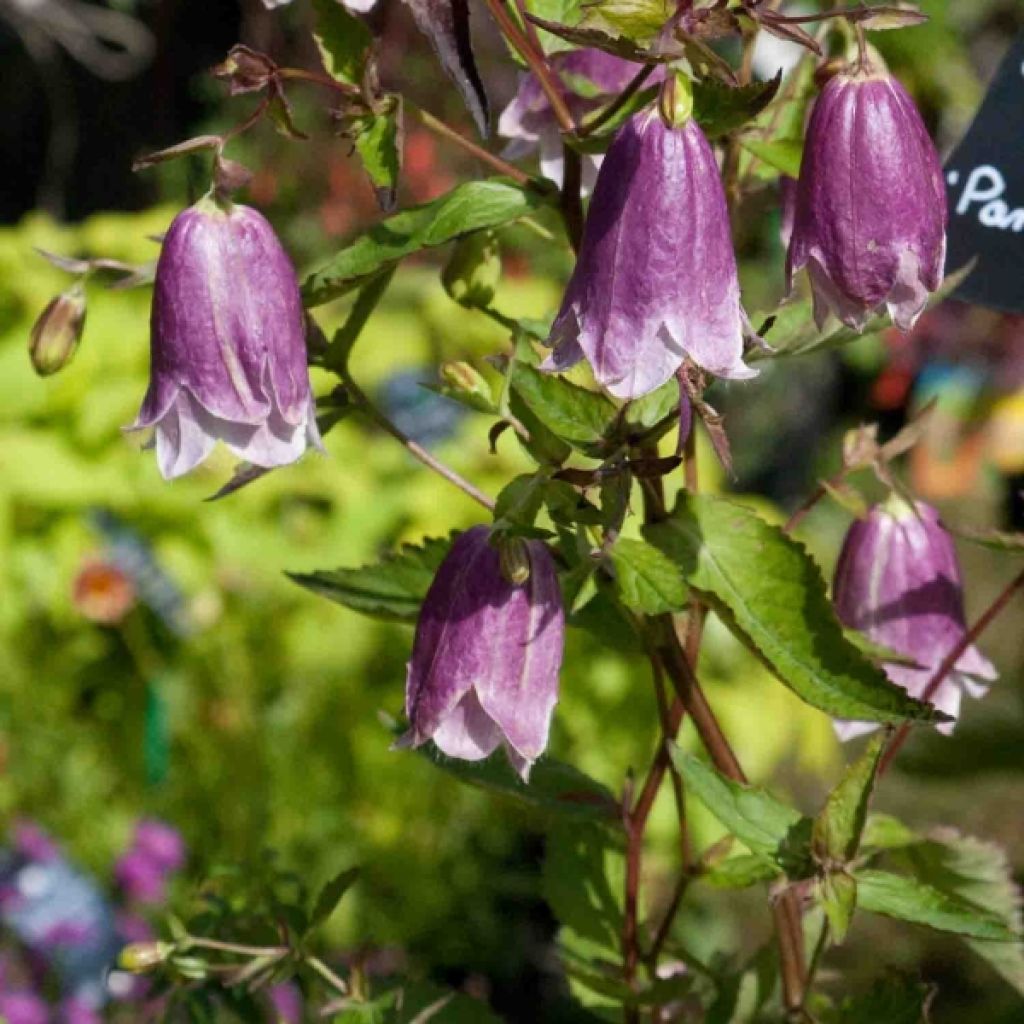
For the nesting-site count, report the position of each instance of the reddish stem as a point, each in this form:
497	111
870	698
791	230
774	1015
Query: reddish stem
949	662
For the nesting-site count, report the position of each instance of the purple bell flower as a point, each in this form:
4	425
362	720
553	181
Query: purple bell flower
656	278
485	660
592	78
898	582
227	344
870	218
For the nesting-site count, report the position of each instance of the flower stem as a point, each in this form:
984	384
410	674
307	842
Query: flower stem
949	662
417	451
328	975
546	77
604	115
439	127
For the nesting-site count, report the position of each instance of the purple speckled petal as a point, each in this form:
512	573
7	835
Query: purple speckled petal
870	213
898	581
656	277
486	655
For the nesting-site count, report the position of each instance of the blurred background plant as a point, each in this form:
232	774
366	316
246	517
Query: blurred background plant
156	663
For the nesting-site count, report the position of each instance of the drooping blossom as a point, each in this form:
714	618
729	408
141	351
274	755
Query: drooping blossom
486	656
592	78
898	582
656	277
870	216
227	344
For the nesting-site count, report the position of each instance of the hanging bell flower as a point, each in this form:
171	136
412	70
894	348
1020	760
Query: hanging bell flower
870	213
656	281
488	648
227	344
898	582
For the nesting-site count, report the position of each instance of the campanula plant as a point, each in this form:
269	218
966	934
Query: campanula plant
607	532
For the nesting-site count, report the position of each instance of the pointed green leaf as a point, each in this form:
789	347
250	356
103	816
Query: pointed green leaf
646	579
576	415
378	141
838	828
771	593
836	894
765	825
472	206
331	895
910	899
392	589
978	872
784	155
721	109
343	40
740	872
554	787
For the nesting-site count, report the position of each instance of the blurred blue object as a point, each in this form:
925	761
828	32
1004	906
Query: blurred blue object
421	414
60	914
130	553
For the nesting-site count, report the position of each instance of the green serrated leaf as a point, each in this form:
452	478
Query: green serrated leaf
331	895
909	899
555	787
764	824
978	872
472	206
771	593
784	155
343	40
884	832
600	37
838	828
392	589
721	109
576	415
646	579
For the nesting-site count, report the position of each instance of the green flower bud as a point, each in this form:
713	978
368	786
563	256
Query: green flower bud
139	957
474	270
55	335
514	560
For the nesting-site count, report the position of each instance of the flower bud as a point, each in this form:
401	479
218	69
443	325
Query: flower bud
139	957
898	582
55	335
485	660
227	344
870	217
473	270
656	278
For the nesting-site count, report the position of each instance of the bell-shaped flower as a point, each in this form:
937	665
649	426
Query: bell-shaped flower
898	582
227	344
592	78
656	278
485	660
870	217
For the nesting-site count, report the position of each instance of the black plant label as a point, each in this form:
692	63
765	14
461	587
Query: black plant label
985	184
